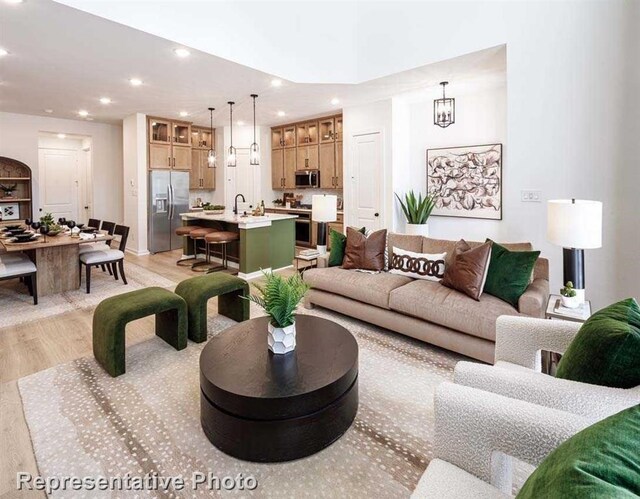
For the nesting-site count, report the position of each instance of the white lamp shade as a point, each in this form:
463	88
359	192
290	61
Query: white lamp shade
574	223
324	208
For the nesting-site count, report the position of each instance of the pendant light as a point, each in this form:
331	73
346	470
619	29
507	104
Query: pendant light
444	110
231	152
211	156
254	150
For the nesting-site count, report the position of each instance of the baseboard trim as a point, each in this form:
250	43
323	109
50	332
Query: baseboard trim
137	253
252	275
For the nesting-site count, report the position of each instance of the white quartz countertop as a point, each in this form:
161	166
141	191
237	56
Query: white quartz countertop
293	210
243	222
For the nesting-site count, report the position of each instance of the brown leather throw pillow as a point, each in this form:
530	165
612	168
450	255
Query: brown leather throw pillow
362	252
467	272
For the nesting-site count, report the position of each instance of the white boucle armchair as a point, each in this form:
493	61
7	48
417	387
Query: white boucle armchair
477	435
516	373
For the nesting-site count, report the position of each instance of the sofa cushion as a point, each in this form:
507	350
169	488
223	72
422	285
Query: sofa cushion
606	350
467	270
433	302
373	289
365	252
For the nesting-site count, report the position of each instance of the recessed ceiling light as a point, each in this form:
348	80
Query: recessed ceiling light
83	113
136	82
240	123
281	113
105	100
3	52
48	111
335	101
182	52
276	82
184	114
62	136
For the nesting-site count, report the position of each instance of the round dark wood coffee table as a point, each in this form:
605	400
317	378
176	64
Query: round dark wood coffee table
258	406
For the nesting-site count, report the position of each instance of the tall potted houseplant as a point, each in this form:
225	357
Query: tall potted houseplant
280	297
417	210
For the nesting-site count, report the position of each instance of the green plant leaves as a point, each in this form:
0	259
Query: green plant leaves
416	209
280	297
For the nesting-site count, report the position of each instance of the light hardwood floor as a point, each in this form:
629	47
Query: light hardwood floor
35	346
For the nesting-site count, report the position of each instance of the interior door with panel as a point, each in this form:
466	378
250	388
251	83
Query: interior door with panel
366	181
59	184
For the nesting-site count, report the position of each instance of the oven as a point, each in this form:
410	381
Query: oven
303	229
308	179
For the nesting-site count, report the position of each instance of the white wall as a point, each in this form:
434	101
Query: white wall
135	183
19	135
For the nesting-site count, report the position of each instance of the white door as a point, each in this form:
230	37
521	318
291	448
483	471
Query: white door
59	183
243	179
366	181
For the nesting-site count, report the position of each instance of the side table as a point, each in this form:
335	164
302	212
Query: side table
312	262
555	311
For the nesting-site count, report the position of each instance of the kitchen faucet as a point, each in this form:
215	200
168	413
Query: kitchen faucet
235	203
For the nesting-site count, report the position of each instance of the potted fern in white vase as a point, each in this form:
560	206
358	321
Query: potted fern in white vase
417	210
280	297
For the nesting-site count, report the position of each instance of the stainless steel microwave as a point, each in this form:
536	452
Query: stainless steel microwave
308	179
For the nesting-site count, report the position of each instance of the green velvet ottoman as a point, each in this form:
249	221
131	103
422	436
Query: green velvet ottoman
112	315
197	291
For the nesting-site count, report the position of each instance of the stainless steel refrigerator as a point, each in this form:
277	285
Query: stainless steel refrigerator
168	197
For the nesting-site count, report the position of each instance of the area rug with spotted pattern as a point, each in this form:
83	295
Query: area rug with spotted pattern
147	422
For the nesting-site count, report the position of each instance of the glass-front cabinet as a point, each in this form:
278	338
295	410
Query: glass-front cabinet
182	134
307	133
159	131
338	128
289	136
326	130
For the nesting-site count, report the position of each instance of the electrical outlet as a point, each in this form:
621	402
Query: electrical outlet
531	196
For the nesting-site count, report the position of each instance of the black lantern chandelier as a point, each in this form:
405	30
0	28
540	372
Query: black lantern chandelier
231	152
211	156
444	110
254	150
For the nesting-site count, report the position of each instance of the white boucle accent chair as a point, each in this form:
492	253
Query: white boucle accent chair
477	435
516	372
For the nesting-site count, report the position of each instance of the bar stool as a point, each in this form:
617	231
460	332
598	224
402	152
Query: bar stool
223	238
184	232
199	235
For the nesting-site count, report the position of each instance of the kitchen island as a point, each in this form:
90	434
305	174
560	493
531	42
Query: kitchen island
266	242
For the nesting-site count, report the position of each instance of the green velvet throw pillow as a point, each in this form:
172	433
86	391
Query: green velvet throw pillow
338	244
509	273
606	350
601	461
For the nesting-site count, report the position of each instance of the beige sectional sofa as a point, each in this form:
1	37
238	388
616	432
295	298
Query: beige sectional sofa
423	309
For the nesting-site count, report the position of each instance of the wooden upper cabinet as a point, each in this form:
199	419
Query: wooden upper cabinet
181	134
194	174
277	138
338	128
181	158
327	166
160	156
326	127
208	174
339	168
159	131
307	133
289	136
277	169
289	168
307	158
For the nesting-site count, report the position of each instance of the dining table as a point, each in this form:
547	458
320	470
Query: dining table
56	258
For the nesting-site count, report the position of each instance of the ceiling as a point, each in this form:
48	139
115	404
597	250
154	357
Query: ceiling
64	59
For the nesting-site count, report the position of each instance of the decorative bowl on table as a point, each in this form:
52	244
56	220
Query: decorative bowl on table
88	230
16	232
24	238
11	227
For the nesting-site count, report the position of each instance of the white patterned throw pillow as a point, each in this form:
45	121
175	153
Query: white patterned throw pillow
429	266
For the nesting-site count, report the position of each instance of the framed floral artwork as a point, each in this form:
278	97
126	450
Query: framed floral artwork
466	181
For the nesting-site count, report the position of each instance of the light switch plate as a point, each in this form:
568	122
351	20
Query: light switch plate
531	196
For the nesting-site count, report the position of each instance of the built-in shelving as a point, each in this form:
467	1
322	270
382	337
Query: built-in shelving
14	171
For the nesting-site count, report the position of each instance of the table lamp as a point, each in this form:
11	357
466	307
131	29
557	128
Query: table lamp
324	208
576	225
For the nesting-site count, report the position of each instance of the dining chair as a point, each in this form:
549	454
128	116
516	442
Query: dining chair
111	258
107	227
94	222
20	266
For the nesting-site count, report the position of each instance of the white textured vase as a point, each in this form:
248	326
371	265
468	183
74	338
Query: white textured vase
418	230
281	339
570	301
